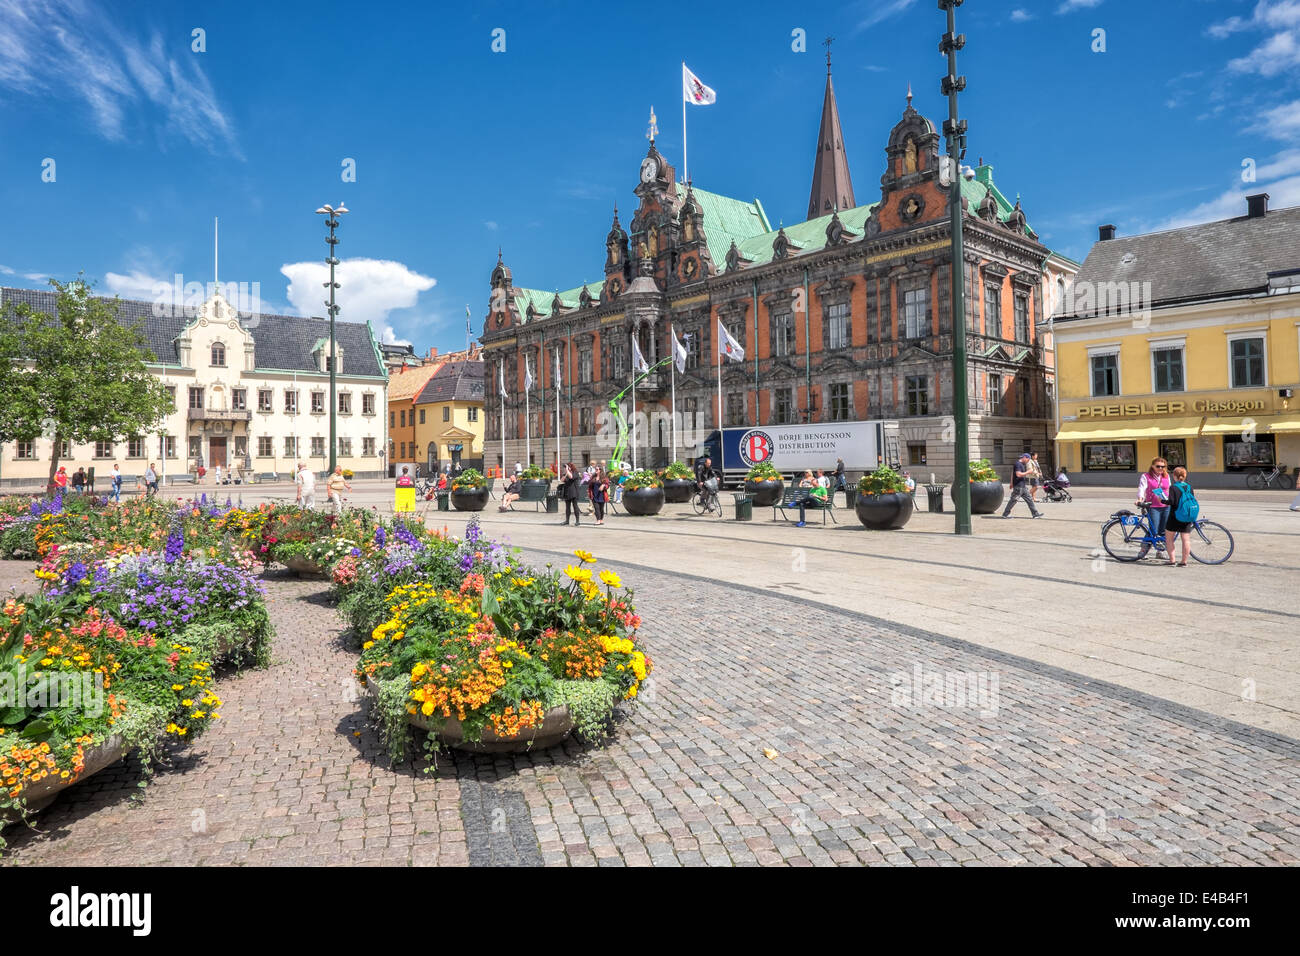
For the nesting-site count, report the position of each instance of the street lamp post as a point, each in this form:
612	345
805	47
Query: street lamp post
332	220
955	130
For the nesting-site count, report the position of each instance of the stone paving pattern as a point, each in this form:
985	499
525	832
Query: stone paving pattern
769	734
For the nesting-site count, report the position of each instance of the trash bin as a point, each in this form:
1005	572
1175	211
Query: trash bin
935	493
850	496
744	508
553	503
444	501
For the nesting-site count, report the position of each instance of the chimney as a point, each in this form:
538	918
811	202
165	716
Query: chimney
1106	233
1256	206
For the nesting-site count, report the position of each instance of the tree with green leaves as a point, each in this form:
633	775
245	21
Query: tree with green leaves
78	375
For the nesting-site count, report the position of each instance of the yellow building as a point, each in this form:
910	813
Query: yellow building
449	417
1185	345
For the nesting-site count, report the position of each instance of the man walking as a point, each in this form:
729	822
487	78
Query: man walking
306	482
334	487
117	484
1020	488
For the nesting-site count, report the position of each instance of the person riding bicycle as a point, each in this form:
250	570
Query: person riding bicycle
704	471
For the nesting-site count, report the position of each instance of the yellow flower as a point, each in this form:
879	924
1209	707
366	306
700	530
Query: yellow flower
611	579
586	557
178	686
187	703
590	590
578	574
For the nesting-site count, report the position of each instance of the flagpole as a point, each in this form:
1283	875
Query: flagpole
557	409
718	360
501	369
686	169
528	414
634	435
672	379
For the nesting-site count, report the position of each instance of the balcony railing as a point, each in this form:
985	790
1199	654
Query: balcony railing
219	415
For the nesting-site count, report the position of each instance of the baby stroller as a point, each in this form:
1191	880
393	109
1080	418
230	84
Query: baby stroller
1058	488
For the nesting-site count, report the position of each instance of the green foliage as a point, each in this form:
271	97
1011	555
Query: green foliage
539	473
883	481
87	380
678	469
591	707
763	471
642	478
471	479
983	470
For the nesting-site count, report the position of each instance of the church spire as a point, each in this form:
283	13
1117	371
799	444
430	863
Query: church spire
832	187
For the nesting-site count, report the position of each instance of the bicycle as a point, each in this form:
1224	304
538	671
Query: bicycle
1128	537
1259	480
706	500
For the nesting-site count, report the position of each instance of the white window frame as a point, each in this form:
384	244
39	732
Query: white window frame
1097	351
1161	345
1259	333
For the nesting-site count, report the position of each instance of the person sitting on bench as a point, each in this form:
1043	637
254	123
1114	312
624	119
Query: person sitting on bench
816	497
511	494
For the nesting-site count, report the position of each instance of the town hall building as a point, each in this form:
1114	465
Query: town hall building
844	316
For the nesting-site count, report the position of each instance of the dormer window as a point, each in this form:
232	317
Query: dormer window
218	355
322	352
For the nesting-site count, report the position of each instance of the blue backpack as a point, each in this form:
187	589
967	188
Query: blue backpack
1188	507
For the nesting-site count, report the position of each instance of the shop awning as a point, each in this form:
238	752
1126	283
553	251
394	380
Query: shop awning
1229	426
1285	423
1119	430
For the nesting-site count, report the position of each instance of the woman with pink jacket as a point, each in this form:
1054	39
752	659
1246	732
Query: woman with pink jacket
1153	491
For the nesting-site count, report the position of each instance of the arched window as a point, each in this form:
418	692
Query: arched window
218	354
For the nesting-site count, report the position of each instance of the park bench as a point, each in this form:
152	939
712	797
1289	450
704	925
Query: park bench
534	493
185	478
791	498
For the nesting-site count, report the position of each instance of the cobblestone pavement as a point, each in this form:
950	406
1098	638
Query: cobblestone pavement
774	731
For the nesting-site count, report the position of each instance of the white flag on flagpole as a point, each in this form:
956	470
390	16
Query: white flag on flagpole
679	353
693	91
639	363
729	346
557	371
501	378
528	375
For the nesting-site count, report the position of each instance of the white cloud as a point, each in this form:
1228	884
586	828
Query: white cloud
1021	16
6	270
369	289
492	226
137	285
50	48
1069	6
1280	178
1280	53
389	337
35	276
879	11
1281	122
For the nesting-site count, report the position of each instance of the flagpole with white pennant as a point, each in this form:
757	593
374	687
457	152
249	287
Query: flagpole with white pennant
528	415
557	410
695	92
633	363
718	361
672	381
734	354
501	379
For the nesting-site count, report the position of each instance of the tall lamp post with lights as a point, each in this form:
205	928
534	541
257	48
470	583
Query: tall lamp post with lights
332	220
955	130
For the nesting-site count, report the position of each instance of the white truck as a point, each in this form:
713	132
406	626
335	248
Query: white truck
792	449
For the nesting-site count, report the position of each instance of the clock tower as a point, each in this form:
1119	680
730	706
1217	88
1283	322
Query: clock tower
654	227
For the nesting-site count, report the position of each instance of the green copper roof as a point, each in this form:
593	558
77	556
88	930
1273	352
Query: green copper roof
809	236
726	219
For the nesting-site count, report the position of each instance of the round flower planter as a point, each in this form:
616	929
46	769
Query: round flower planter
555	726
678	490
41	794
643	501
884	512
469	499
765	493
985	497
306	568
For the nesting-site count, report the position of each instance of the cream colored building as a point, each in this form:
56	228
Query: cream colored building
251	396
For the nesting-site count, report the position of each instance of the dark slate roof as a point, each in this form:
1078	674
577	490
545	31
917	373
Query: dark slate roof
280	341
1208	261
454	382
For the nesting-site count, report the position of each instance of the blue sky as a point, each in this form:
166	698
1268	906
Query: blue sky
459	149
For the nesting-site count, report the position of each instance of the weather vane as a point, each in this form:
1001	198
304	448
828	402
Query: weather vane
653	131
